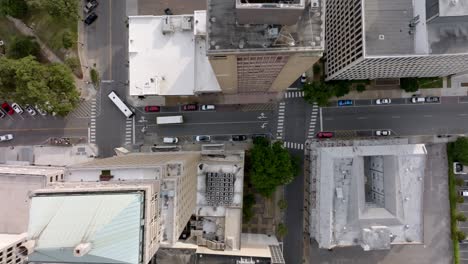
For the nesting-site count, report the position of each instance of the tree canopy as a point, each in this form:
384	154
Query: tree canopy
59	8
409	84
23	46
26	81
271	166
14	8
460	150
317	92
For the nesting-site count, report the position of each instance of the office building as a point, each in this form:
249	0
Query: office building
371	39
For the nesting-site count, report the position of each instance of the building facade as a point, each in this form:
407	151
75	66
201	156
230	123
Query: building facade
262	46
371	39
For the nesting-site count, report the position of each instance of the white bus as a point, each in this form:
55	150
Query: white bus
120	104
161	120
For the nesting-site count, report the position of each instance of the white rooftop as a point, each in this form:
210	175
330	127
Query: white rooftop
453	7
167	56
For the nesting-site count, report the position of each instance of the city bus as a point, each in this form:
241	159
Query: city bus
120	104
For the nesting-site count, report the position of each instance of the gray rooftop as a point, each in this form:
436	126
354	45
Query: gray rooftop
386	27
248	29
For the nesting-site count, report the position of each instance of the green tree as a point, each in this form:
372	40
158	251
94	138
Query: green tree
94	77
247	207
23	46
316	69
272	166
461	235
26	81
360	88
340	88
460	150
460	199
14	8
73	63
459	181
281	230
409	84
61	8
317	92
460	217
282	204
67	39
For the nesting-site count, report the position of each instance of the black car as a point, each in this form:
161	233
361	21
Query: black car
168	12
239	138
432	99
90	18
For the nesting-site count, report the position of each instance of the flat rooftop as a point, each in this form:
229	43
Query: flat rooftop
387	30
168	57
227	35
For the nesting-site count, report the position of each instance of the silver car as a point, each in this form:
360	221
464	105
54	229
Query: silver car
6	137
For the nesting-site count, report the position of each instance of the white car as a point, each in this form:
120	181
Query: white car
17	108
208	107
6	137
203	138
383	133
31	110
304	78
383	101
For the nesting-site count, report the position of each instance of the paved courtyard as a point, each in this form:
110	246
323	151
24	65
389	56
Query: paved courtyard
437	245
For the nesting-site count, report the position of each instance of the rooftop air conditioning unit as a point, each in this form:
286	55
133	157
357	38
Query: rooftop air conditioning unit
167	26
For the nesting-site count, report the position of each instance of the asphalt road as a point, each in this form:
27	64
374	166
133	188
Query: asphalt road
107	47
448	117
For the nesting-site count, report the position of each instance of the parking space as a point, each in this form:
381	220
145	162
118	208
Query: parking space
393	101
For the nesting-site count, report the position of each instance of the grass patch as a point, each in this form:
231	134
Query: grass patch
430	82
50	30
453	204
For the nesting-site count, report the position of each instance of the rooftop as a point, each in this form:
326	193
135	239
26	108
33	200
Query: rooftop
167	56
295	27
407	27
368	193
9	239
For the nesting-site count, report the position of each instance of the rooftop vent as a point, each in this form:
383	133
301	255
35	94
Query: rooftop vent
82	249
381	37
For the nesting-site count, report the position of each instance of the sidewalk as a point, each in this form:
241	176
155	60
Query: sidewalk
86	90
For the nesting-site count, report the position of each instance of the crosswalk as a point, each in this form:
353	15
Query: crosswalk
293	145
92	125
280	126
294	94
313	121
128	131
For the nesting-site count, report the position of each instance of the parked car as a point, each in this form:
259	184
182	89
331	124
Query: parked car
90	6
17	108
7	108
152	108
42	112
203	138
383	133
254	136
463	193
345	102
190	107
6	137
208	107
416	100
239	138
171	140
304	78
2	114
383	101
432	99
458	168
168	12
30	110
323	134
90	18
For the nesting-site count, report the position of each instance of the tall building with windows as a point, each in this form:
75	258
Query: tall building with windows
370	39
263	45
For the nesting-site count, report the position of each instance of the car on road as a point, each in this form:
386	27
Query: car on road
17	108
324	134
170	140
203	138
168	12
239	138
383	101
7	108
30	110
190	107
432	99
304	78
383	133
152	108
463	193
6	137
208	107
345	102
416	100
42	112
90	18
255	136
90	6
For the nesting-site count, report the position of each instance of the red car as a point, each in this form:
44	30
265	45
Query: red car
7	108
190	107
325	134
152	108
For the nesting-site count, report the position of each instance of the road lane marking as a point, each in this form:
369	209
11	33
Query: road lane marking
362	117
463	114
110	40
427	115
44	129
395	116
